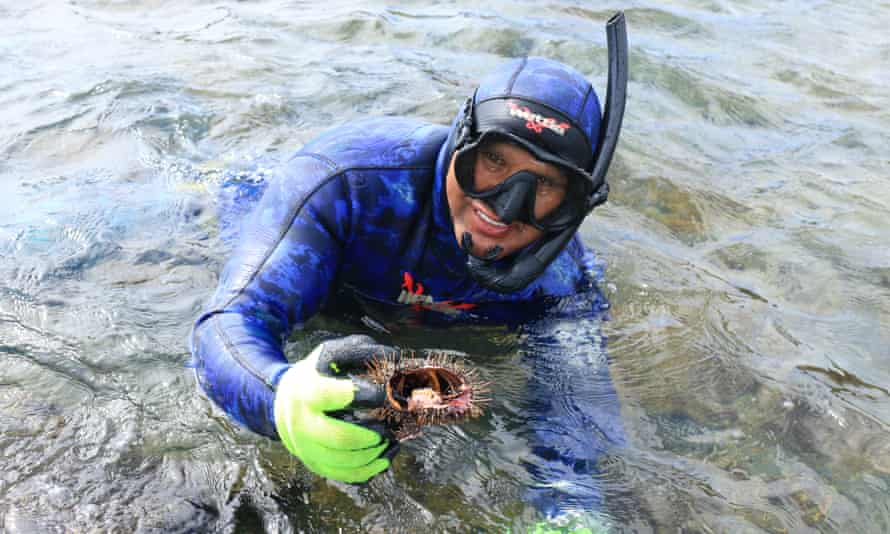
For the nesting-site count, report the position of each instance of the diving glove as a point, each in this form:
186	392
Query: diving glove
316	386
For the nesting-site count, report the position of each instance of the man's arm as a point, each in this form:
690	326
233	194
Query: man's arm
573	409
279	275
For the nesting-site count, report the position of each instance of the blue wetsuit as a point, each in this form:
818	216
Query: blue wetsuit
358	220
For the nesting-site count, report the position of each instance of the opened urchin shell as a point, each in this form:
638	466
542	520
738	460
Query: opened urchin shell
428	389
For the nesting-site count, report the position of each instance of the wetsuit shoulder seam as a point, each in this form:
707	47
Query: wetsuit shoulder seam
342	170
384	168
325	181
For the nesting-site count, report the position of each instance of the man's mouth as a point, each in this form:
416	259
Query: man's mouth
489	220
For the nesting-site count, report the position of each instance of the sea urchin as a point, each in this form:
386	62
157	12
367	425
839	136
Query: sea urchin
433	389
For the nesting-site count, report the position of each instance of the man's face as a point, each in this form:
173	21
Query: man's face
495	162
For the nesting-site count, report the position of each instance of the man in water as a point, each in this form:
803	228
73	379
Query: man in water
404	220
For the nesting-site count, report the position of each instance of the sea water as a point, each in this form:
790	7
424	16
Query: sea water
745	248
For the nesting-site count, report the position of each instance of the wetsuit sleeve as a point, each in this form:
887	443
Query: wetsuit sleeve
572	406
279	275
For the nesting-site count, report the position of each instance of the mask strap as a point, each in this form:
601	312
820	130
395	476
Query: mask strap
466	125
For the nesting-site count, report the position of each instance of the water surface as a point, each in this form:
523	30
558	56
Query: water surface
745	244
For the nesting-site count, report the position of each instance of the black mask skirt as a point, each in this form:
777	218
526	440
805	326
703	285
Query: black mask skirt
514	198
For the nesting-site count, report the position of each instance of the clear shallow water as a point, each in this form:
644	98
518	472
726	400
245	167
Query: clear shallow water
745	243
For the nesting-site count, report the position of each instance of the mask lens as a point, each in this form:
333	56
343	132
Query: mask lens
549	204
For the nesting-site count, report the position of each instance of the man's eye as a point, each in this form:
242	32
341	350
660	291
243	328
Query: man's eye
549	186
543	181
492	158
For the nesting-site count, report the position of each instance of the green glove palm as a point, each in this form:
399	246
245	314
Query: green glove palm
328	446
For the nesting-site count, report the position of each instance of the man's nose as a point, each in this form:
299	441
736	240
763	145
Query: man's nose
512	201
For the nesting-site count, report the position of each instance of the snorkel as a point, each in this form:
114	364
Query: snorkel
516	274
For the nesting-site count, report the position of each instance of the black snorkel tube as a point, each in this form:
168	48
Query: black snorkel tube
531	262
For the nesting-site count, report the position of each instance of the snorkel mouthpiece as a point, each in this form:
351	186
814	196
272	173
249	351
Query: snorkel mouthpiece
509	199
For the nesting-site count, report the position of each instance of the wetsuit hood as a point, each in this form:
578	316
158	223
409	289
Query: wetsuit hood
553	111
517	99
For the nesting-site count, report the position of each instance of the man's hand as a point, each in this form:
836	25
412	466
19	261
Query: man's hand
328	446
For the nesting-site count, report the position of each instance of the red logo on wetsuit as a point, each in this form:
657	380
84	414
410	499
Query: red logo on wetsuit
536	122
412	293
